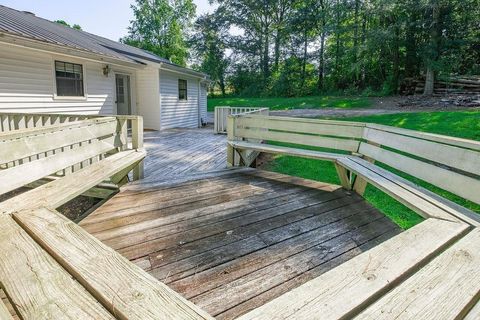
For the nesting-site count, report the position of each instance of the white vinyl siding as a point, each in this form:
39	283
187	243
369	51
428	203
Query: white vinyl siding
148	97
177	113
27	84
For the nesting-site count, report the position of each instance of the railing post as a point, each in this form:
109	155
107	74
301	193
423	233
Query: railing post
122	133
137	143
230	137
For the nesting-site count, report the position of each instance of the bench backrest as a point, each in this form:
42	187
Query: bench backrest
32	153
17	121
453	164
338	135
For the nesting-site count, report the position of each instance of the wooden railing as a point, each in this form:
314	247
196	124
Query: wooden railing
222	113
16	121
50	267
452	164
38	140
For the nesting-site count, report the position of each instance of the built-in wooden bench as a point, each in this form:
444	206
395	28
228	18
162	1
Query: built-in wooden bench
50	268
429	271
449	163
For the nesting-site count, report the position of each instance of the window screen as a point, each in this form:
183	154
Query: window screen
120	90
182	89
69	77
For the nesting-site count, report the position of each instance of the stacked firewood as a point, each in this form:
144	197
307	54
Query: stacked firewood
458	85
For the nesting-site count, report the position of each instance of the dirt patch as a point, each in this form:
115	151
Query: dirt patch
391	105
72	209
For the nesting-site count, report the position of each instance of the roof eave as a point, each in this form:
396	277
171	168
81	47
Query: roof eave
183	70
66	50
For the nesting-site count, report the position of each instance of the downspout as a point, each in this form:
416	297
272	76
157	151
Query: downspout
159	97
199	124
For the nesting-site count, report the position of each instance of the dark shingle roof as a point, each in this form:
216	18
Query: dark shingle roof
27	25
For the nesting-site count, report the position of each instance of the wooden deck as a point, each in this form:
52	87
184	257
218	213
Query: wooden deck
183	152
232	241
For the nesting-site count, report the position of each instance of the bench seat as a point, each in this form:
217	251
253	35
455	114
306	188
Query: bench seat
413	196
122	288
267	148
60	191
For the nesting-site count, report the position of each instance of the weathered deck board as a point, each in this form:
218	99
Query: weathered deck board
182	152
37	284
446	288
124	289
232	242
365	277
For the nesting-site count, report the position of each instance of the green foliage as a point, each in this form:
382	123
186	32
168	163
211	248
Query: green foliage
295	48
458	124
310	102
161	27
63	22
209	49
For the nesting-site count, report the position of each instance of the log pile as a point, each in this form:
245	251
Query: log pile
443	101
457	85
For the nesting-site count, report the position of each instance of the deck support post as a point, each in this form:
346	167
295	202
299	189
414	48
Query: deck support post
343	175
231	137
360	184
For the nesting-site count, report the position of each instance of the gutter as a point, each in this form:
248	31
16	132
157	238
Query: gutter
49	47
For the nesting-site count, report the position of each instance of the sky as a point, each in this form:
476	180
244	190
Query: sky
106	18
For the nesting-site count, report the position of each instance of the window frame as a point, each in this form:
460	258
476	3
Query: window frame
54	80
182	89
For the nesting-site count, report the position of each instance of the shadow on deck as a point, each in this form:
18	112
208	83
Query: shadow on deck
231	241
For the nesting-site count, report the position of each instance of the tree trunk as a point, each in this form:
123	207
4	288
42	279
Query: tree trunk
411	44
429	81
304	58
355	42
321	54
337	36
364	35
277	50
435	47
222	85
321	62
266	70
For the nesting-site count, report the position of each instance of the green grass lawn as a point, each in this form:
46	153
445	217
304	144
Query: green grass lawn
311	102
458	124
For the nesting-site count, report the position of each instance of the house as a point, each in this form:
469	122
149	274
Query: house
46	67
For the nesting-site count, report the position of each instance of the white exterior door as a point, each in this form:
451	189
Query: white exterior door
122	86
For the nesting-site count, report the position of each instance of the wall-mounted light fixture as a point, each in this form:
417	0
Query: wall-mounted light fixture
106	70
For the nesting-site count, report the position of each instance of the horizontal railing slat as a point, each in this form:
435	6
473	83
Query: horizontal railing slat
453	156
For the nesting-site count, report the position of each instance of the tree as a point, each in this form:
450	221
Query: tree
161	27
351	45
209	49
63	22
434	46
